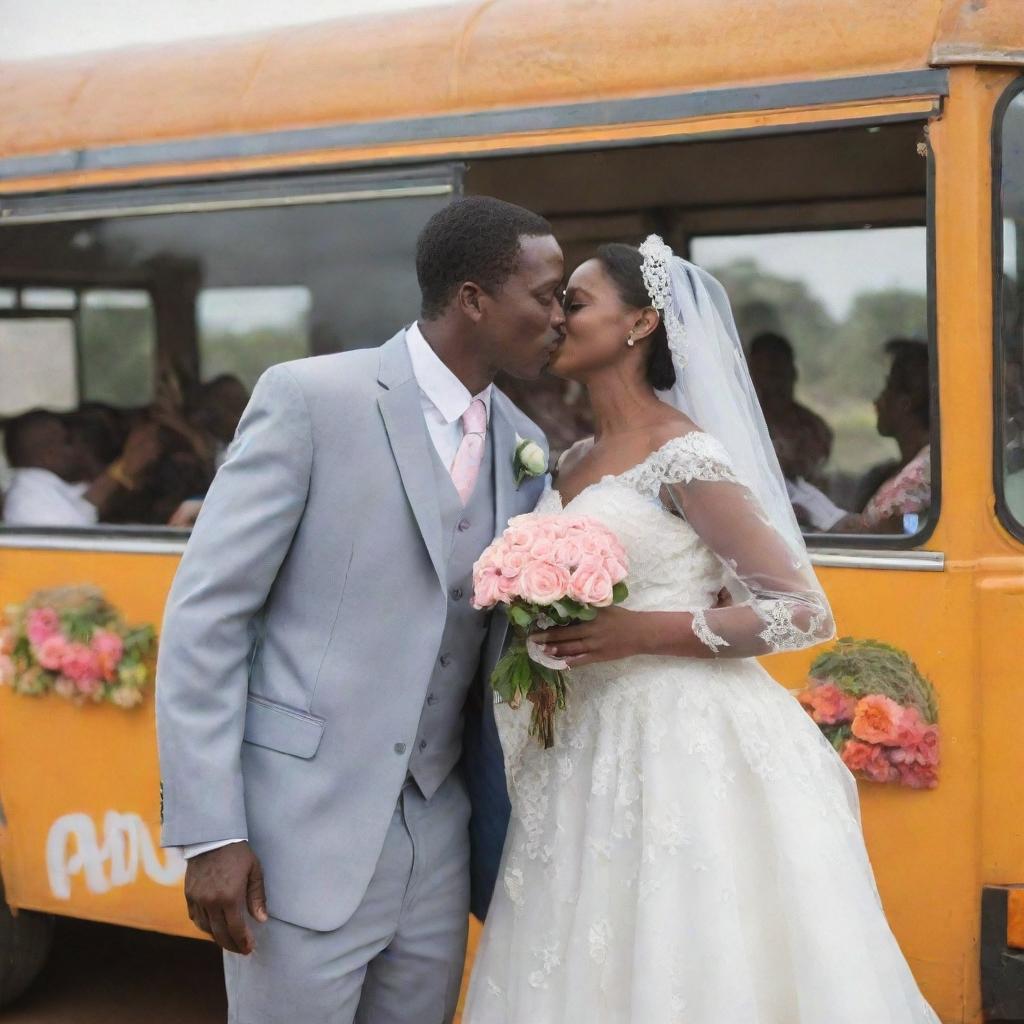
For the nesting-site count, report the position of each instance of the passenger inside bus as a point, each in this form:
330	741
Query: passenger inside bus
899	492
50	482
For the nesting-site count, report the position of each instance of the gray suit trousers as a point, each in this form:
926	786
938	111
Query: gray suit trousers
398	958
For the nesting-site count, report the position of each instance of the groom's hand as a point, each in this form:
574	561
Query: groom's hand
219	887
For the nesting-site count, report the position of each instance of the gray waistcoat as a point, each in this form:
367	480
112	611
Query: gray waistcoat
467	531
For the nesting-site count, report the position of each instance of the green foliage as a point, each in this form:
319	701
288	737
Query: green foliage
862	667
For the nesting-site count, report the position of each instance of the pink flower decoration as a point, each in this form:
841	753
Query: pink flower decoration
918	776
870	760
109	649
50	653
918	741
81	664
42	624
487	589
568	552
877	719
591	584
544	583
828	704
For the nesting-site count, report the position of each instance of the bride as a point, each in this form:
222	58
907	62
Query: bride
689	851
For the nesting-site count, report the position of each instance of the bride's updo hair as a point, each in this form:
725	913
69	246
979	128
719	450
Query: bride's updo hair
623	264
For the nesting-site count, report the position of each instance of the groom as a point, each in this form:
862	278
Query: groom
320	655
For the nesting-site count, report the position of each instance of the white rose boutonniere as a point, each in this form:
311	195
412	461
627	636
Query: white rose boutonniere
528	459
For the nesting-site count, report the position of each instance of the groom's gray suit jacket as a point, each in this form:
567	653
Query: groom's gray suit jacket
304	627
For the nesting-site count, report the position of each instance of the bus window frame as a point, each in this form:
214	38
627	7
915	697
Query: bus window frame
872	542
1006	516
289	188
875	551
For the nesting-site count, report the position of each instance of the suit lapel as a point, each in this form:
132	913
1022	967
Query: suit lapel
402	412
503	437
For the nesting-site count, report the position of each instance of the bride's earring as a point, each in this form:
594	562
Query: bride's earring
629	341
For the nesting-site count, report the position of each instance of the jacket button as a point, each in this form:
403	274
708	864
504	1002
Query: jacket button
456	593
446	660
399	748
463	525
423	744
432	698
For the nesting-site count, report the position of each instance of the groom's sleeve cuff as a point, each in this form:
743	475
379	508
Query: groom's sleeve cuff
188	852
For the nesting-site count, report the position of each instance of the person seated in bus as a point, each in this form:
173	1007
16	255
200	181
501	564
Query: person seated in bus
98	433
46	487
182	470
216	409
901	503
802	439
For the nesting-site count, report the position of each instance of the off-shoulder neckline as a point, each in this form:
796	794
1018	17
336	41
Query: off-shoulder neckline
610	477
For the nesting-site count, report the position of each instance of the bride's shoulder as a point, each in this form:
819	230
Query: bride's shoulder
683	452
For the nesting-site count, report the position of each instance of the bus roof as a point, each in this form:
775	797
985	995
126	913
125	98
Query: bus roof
479	56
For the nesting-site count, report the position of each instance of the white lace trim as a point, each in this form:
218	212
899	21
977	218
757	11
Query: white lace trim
782	633
705	634
693	456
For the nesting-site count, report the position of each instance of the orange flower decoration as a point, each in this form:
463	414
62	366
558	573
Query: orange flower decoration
877	720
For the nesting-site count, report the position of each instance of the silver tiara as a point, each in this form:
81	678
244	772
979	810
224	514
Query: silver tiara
657	257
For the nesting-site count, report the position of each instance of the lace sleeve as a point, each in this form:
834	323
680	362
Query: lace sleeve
783	607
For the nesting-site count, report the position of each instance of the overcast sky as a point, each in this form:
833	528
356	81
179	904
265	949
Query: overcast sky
39	28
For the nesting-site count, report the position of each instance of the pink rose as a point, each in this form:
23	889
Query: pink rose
519	538
918	776
42	624
830	706
511	563
568	552
543	548
50	653
109	649
919	742
591	583
877	719
489	559
616	567
89	687
81	664
543	582
869	760
487	589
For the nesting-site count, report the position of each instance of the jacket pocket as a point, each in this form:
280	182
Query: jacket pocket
279	727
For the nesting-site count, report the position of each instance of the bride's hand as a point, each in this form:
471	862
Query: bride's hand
615	633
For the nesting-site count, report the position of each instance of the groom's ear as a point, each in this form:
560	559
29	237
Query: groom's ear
470	300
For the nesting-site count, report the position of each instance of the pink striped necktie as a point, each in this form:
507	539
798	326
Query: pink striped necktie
466	466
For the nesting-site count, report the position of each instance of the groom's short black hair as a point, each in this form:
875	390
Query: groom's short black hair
475	238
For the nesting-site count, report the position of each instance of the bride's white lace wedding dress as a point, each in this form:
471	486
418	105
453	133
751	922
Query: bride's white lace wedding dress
689	851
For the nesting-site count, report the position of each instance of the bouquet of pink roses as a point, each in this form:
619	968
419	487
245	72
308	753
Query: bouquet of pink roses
73	642
877	710
546	570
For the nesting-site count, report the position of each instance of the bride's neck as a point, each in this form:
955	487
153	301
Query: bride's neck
621	404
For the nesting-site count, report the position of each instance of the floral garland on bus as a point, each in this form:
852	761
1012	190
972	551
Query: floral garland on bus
877	710
71	641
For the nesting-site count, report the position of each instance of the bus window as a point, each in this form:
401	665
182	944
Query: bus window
48	298
242	331
118	347
1010	315
8	298
172	313
835	326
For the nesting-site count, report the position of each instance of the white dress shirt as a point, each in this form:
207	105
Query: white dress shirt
444	399
38	497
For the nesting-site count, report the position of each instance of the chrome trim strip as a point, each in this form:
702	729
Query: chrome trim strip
105	543
487	123
866	558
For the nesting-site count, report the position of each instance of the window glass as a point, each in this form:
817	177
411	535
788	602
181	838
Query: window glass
835	327
48	298
8	298
118	347
194	305
37	365
1010	314
242	331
